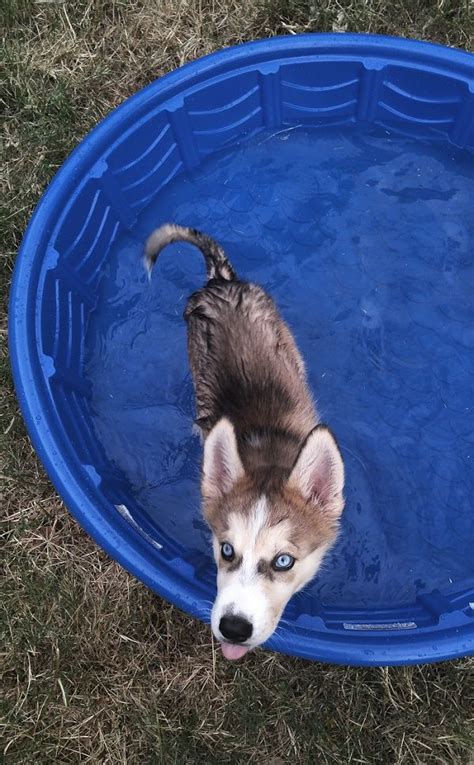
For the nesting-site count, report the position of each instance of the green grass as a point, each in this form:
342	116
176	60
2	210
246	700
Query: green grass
96	668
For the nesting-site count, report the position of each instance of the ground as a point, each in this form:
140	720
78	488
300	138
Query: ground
97	669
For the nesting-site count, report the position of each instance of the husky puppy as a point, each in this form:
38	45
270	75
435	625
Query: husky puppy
272	474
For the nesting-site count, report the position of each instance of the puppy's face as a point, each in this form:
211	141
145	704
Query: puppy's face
266	546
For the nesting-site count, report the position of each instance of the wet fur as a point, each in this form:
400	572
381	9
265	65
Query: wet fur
252	393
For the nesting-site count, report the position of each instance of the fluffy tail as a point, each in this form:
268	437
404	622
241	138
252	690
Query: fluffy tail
218	267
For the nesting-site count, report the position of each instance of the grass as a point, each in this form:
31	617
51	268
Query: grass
97	669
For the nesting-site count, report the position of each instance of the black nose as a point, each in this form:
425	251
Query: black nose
235	628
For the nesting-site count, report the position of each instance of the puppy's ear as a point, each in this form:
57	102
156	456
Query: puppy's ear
318	475
222	466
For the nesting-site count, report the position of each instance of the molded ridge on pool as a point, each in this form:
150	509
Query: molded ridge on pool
100	198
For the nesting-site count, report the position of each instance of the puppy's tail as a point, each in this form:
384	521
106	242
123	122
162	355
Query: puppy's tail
218	267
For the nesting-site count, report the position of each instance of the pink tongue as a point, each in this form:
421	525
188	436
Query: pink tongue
233	652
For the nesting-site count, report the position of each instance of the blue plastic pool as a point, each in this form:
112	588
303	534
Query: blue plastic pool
337	171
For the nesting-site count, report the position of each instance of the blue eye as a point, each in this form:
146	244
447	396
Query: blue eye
283	562
227	551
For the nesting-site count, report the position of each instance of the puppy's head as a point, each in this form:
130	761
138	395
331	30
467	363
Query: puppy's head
267	545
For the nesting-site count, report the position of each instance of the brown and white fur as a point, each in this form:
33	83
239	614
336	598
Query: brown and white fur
272	475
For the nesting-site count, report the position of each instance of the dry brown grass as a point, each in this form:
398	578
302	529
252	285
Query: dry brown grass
96	669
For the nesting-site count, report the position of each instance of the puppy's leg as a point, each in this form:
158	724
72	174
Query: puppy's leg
197	431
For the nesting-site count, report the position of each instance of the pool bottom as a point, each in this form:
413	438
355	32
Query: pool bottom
363	239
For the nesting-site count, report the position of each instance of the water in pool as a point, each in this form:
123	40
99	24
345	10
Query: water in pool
365	240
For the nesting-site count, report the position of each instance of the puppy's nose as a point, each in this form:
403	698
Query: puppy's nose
235	628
